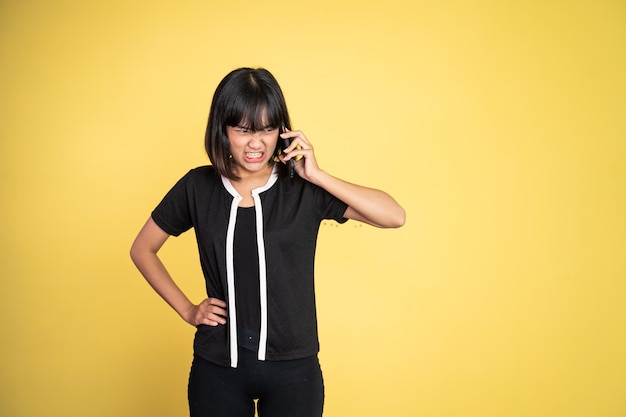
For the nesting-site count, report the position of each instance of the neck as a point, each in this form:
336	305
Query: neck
256	177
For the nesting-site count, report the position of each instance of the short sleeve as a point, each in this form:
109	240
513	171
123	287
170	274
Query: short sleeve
334	208
173	213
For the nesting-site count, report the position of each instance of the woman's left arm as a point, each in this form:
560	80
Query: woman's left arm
367	205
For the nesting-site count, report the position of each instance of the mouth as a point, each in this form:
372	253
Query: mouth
254	156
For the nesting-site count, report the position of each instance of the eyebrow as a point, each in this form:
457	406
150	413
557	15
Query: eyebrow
250	127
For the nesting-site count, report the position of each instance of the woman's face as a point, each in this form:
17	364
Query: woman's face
251	150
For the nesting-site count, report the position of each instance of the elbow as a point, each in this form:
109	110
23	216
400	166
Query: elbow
137	252
399	219
394	220
134	253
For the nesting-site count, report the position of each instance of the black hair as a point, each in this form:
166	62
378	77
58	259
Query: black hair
246	97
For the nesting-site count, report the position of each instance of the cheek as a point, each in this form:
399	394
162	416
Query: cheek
235	142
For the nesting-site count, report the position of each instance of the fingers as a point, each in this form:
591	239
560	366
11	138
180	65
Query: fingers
217	302
299	144
301	150
211	312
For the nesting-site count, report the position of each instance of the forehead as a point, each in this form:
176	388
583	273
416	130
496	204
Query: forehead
258	118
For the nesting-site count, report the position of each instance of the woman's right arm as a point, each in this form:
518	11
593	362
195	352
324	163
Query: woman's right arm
144	253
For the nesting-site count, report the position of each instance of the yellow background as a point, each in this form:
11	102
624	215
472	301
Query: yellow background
498	125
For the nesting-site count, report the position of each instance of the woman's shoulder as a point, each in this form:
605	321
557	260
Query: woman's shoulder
201	176
203	173
204	169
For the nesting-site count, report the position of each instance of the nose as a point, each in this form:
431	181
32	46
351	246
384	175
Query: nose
256	138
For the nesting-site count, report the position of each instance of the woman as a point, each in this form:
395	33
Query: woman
256	228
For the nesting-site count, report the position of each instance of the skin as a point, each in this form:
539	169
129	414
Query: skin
252	151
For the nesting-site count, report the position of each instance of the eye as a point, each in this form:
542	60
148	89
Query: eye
269	129
242	129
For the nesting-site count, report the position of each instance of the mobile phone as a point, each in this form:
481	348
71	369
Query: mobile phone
285	143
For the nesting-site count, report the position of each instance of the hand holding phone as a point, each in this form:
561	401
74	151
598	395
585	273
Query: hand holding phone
285	143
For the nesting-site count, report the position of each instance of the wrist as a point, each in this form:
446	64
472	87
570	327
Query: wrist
319	178
188	314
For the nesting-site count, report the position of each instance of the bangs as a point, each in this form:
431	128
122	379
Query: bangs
255	112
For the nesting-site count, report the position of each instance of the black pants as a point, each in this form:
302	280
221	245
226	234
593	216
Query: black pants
292	388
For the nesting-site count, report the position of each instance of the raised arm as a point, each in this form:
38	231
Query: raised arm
144	254
367	205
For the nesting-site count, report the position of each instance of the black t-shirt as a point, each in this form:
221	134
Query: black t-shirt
287	216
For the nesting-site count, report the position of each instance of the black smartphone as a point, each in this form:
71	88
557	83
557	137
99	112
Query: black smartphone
285	143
